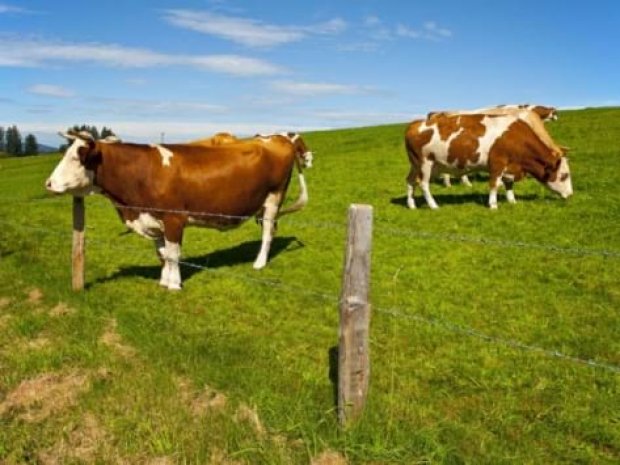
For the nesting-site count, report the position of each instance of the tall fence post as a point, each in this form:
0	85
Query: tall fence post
77	254
353	349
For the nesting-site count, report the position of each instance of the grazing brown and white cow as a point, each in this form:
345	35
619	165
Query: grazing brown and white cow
534	115
503	145
160	189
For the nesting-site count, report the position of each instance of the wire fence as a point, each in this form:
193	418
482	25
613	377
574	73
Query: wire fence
392	312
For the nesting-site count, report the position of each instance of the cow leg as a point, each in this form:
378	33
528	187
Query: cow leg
412	180
171	273
494	183
465	180
510	194
272	203
446	180
160	249
426	171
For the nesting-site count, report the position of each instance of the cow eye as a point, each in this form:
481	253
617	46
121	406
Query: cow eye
564	177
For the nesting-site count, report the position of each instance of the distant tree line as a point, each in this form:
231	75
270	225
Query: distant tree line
12	143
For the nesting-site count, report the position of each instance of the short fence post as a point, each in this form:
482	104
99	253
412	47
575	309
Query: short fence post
353	349
77	255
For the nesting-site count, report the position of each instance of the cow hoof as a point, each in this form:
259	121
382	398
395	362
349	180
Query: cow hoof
258	265
434	207
174	287
411	204
493	207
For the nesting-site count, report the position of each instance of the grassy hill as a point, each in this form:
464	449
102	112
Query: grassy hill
494	336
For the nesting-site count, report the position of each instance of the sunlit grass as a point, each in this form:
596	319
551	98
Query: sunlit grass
448	383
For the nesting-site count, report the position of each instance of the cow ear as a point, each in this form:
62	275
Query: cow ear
89	155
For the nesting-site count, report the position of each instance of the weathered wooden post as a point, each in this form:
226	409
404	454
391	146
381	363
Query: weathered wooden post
77	255
353	349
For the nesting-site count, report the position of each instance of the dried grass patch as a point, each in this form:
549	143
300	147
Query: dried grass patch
112	339
35	296
61	309
329	457
5	302
36	399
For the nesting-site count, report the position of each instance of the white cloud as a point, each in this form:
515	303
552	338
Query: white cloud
33	53
245	31
4	8
429	31
155	107
308	89
49	90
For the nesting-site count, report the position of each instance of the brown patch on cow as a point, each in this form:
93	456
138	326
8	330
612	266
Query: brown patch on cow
203	402
250	416
447	127
112	339
4	302
464	147
61	309
329	458
36	399
34	296
81	444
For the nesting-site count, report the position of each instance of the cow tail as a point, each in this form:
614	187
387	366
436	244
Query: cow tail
302	200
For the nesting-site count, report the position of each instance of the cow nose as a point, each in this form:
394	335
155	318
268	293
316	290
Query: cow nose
48	184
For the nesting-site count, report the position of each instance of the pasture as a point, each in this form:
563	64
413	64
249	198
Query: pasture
483	322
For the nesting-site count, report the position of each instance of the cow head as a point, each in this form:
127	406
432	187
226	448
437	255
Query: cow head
301	149
559	180
75	174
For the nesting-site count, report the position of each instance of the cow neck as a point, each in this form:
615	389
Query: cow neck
113	175
538	161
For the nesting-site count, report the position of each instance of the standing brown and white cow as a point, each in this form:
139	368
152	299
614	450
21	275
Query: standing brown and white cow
505	146
158	190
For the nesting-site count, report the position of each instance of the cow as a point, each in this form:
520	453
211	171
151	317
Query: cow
158	190
503	145
220	138
534	115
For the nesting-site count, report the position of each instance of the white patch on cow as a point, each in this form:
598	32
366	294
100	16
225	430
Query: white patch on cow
410	199
308	157
271	210
495	127
437	146
170	273
147	226
563	184
70	175
166	154
510	196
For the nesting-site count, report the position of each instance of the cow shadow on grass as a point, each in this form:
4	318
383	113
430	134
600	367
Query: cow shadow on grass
244	253
459	199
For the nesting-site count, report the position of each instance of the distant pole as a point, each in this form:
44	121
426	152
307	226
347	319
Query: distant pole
77	255
161	137
353	349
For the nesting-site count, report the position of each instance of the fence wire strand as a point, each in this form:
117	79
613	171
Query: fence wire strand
392	312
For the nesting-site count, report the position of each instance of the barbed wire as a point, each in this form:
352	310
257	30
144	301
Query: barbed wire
392	312
379	228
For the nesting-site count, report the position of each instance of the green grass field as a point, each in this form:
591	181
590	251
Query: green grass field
469	308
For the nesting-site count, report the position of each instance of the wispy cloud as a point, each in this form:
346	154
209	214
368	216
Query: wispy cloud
429	31
246	31
49	90
155	107
308	89
4	8
15	52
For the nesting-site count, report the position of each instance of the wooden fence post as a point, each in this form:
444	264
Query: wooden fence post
353	349
77	255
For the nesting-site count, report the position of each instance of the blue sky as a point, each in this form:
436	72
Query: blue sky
191	68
